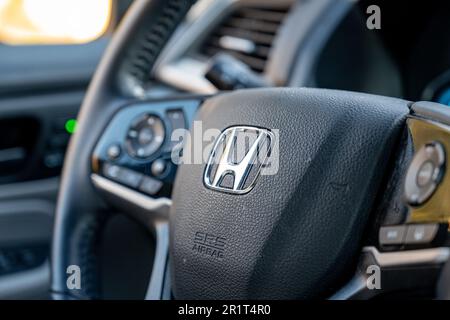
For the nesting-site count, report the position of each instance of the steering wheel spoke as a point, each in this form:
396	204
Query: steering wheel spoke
132	161
408	246
132	167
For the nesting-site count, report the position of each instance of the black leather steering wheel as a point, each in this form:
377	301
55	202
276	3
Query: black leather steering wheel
294	234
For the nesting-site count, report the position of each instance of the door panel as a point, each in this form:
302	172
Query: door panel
41	87
33	137
25	232
30	163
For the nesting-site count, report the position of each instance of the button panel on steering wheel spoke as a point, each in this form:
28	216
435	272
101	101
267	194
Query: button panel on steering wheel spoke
135	149
145	136
427	182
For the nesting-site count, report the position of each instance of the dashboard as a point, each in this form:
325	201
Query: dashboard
278	40
321	43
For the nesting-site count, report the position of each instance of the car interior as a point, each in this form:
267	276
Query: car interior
350	98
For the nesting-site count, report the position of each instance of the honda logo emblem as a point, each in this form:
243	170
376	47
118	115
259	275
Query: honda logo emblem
237	158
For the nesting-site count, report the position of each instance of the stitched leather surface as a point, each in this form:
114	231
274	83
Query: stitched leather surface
296	233
161	18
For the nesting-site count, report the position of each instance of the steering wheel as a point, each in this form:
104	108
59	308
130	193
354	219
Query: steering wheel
317	197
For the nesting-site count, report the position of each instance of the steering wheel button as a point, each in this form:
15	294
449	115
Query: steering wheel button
122	175
112	172
176	119
140	153
150	186
421	233
392	235
424	173
132	134
158	167
114	151
130	178
145	136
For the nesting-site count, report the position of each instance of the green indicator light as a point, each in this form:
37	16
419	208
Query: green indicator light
71	125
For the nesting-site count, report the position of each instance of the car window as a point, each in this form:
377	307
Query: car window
53	21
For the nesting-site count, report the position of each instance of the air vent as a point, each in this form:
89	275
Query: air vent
247	34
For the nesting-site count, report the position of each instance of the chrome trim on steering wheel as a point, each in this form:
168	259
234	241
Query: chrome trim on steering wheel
409	257
357	286
159	205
